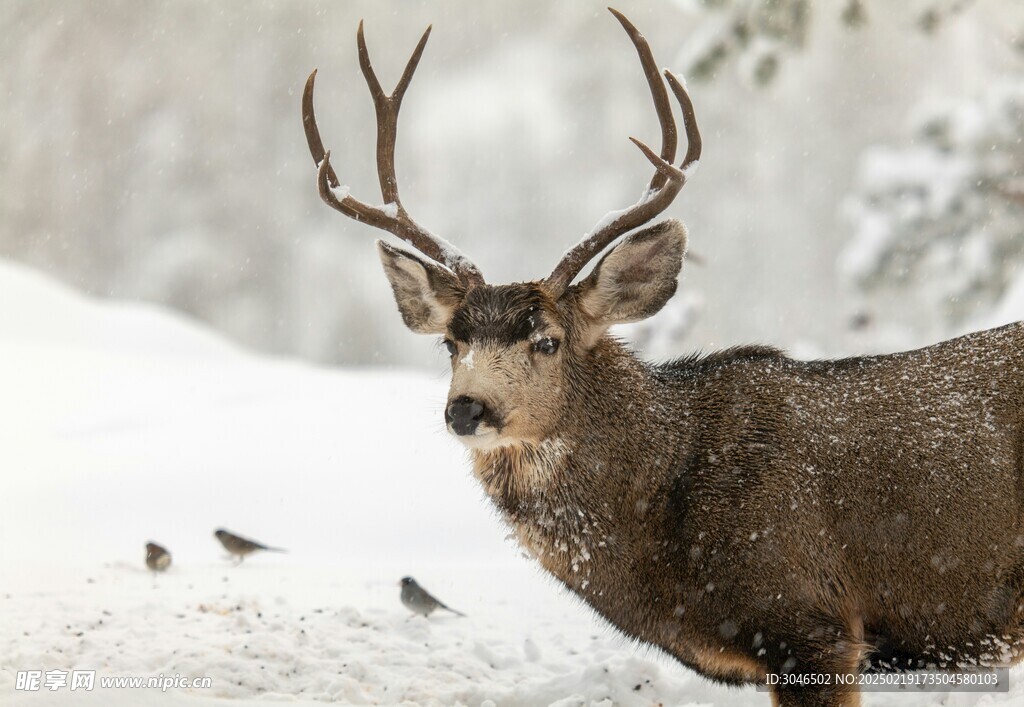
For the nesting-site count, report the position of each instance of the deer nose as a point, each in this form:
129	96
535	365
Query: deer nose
464	414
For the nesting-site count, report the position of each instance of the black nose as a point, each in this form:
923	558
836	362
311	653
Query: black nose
464	414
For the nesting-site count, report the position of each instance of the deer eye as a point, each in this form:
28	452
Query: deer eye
547	345
450	345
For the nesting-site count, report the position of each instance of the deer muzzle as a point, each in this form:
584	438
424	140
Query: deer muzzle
464	414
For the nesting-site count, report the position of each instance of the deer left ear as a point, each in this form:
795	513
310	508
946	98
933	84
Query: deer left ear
634	280
426	293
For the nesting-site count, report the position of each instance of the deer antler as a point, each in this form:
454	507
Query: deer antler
667	180
392	216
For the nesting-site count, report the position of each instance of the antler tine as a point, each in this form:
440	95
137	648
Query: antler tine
694	143
316	145
410	68
391	217
669	135
665	184
364	65
666	169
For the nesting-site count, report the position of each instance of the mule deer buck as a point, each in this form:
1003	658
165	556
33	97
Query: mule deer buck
749	514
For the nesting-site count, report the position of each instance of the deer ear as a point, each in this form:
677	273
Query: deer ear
426	293
634	280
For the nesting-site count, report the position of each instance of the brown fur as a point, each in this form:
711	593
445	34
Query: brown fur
748	513
815	504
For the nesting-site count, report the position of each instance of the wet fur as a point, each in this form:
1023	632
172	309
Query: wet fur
745	512
748	513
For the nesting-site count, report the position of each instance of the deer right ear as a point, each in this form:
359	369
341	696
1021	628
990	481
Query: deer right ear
634	280
426	293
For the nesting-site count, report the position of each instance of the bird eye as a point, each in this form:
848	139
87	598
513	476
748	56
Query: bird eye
547	345
450	345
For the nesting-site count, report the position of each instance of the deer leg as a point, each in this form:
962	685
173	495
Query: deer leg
819	672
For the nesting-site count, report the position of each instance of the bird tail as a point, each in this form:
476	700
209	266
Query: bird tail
448	608
275	549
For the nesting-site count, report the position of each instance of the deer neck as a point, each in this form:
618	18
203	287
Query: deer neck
572	500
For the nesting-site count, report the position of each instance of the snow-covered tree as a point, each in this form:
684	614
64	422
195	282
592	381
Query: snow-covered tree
754	33
939	221
757	35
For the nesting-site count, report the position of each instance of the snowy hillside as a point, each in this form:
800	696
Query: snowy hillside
120	425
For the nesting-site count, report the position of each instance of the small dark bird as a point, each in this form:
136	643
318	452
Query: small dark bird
157	557
419	601
239	547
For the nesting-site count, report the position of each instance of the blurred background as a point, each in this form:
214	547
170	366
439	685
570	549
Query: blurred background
860	188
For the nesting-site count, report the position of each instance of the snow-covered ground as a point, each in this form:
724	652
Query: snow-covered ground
123	424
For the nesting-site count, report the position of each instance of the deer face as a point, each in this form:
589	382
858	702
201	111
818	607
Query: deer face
508	365
514	347
517	349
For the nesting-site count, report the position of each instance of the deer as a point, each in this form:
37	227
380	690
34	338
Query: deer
760	519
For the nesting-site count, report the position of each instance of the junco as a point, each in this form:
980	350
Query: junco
419	601
240	547
157	557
